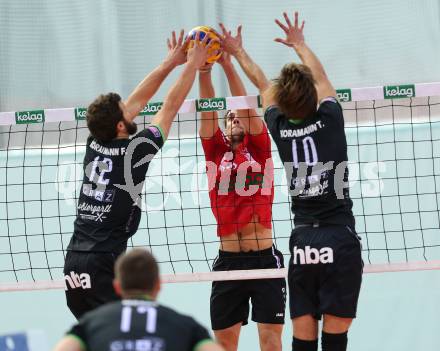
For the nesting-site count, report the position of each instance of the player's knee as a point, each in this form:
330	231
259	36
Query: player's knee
270	339
227	344
228	338
336	325
305	327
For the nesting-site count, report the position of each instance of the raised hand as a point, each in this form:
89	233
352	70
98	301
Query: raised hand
231	44
294	34
198	54
176	49
225	59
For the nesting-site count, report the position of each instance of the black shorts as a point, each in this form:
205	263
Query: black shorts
230	299
325	271
88	279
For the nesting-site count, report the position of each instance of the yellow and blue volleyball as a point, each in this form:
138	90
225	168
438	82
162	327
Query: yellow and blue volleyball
215	52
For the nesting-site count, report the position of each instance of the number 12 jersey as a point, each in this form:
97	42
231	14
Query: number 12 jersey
108	211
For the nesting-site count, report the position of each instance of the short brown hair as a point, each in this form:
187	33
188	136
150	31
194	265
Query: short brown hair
103	115
295	92
137	270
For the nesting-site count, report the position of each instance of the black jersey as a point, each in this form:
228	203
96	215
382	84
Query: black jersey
138	325
314	154
108	211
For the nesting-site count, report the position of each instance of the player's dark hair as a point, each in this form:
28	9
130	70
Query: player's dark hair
137	270
295	92
103	115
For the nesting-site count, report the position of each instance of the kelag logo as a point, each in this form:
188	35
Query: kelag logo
214	104
399	91
344	95
80	113
151	108
25	117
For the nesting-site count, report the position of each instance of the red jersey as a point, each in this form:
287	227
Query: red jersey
240	181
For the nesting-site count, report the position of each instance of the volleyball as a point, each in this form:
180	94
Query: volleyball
215	52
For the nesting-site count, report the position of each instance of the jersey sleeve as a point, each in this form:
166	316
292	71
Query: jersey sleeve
330	108
199	335
155	138
144	146
213	145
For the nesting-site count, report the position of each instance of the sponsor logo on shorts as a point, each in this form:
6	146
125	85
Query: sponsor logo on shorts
399	91
25	117
214	104
310	255
75	280
80	113
344	95
151	109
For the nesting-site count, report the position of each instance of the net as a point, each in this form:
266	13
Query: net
393	136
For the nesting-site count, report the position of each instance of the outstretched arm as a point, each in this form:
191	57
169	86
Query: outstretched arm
197	57
249	117
295	39
151	83
209	120
234	46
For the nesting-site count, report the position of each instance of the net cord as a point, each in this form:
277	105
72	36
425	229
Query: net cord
237	102
232	275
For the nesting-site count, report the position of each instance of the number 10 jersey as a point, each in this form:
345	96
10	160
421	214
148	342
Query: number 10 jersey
314	154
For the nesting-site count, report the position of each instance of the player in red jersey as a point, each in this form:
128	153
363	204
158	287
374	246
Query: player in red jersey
240	176
306	122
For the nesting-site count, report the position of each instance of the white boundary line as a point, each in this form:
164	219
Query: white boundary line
232	275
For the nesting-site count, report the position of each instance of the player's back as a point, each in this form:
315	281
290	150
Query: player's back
138	325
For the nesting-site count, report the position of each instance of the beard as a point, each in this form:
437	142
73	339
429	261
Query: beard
130	126
237	137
